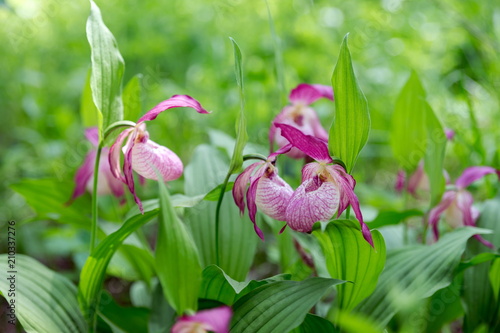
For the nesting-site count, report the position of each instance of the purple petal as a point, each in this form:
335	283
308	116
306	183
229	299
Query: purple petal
450	134
84	175
149	157
435	213
283	150
251	205
418	180
400	181
115	153
175	101
216	320
273	195
92	134
313	201
127	169
240	185
464	203
107	183
313	147
310	170
309	93
474	173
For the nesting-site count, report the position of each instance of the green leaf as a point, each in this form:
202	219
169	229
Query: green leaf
241	123
162	315
351	125
278	307
88	111
414	273
48	197
350	322
349	257
107	70
315	324
45	301
120	318
177	260
495	279
94	270
393	217
214	194
444	307
132	98
434	156
238	240
479	259
408	135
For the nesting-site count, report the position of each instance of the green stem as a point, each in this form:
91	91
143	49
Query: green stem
93	227
217	216
254	157
348	212
118	124
405	222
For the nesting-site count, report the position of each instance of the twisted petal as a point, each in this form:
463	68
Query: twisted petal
309	93
84	175
149	157
114	154
92	134
175	101
474	173
215	320
240	185
313	147
464	202
251	204
435	213
313	201
273	195
128	178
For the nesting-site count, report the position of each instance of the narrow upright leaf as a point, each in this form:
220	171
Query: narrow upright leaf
132	100
351	125
408	136
177	260
241	122
434	155
107	69
90	115
44	301
349	257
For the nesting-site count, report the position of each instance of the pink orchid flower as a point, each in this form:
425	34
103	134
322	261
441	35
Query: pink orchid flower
214	320
267	190
84	178
457	204
145	156
418	181
326	188
301	116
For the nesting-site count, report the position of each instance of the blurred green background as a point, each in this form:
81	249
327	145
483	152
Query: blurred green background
182	47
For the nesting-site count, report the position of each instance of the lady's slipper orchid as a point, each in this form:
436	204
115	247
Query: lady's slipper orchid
267	190
457	204
145	156
326	188
301	116
84	178
214	320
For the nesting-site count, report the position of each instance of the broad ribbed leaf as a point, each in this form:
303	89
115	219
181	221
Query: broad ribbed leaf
416	272
315	324
177	260
238	240
120	318
434	155
45	301
349	257
107	70
94	270
351	125
132	100
88	111
241	122
393	217
408	134
278	307
480	304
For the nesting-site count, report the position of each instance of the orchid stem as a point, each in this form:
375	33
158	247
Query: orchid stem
254	157
348	212
217	216
93	227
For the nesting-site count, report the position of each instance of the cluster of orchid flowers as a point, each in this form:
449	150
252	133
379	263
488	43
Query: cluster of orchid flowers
326	189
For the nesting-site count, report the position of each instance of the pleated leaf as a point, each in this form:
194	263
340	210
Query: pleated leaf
177	260
238	240
349	257
408	134
107	70
278	307
416	272
94	270
45	301
393	217
351	125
